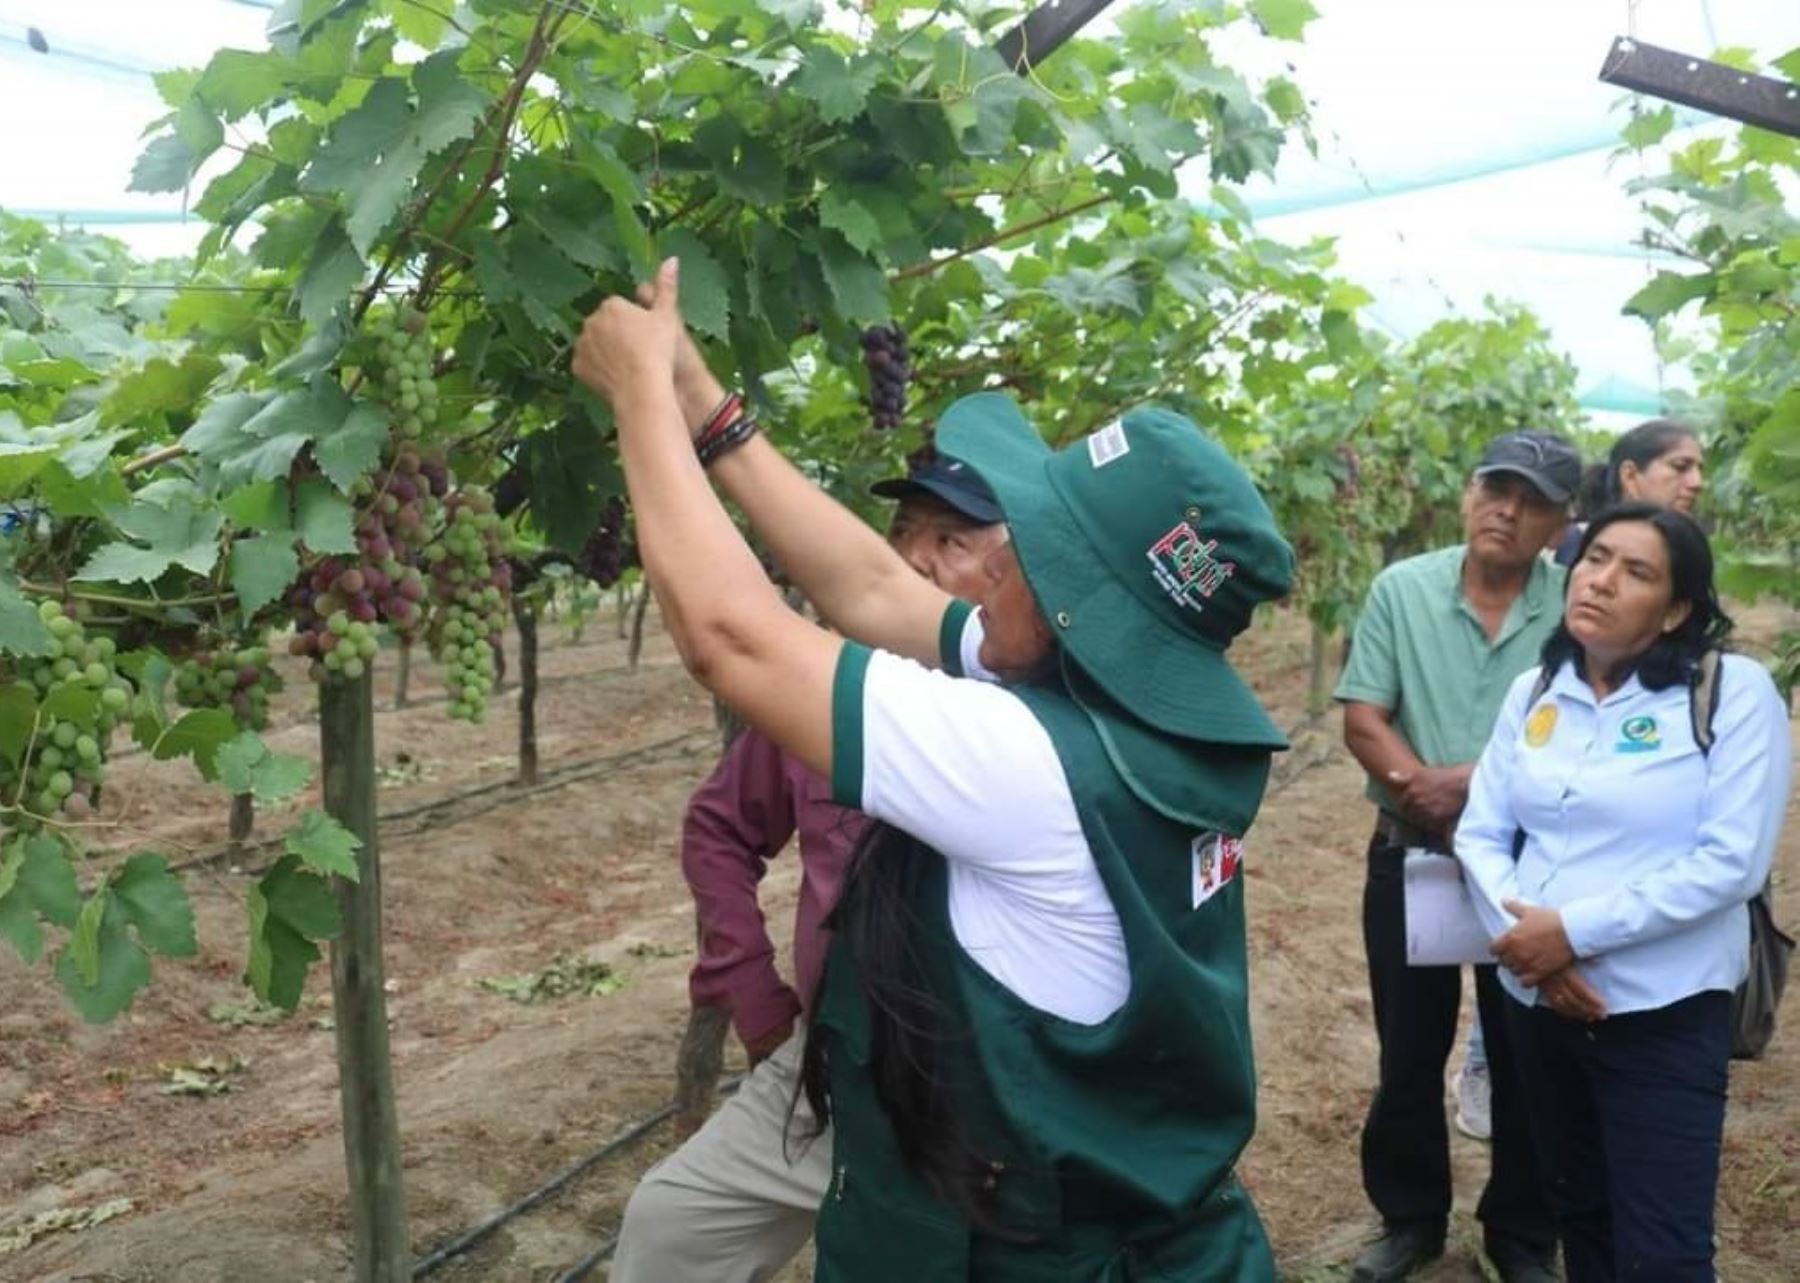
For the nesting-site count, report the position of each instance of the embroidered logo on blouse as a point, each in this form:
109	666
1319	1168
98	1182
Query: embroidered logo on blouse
1541	726
1217	858
1638	735
1185	567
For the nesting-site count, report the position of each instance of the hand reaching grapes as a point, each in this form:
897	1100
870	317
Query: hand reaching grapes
625	347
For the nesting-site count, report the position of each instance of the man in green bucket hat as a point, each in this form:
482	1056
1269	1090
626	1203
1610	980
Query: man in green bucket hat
1032	1036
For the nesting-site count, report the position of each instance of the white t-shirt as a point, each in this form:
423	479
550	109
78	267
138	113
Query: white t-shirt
963	765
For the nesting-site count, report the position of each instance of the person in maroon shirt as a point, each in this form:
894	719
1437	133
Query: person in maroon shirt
737	1201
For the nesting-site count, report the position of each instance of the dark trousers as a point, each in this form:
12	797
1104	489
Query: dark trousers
1406	1140
1628	1115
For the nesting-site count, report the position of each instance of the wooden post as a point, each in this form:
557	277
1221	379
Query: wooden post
499	665
403	673
637	626
359	1004
1318	699
243	818
525	616
622	603
697	1067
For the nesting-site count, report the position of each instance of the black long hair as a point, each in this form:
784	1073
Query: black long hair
913	1034
1672	658
1602	486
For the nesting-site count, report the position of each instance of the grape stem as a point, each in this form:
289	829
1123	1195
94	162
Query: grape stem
126	603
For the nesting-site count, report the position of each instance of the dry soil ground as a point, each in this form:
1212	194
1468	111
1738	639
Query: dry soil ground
496	1096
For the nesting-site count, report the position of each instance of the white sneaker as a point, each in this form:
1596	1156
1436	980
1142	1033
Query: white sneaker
1474	1113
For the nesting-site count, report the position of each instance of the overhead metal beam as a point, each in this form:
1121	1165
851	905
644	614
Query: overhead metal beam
1762	101
1045	30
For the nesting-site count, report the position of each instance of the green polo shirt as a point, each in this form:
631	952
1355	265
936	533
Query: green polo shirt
1419	650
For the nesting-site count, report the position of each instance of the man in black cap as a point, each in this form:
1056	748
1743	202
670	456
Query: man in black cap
1438	642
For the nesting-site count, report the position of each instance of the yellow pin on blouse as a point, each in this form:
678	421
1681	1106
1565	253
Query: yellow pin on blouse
1541	726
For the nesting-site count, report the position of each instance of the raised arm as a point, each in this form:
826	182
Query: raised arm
733	631
848	570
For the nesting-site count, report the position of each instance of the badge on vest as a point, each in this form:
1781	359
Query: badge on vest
1638	735
1216	860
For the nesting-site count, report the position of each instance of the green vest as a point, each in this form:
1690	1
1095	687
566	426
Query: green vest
1110	1146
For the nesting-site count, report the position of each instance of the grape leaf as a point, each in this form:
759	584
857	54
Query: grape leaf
237	81
155	903
123	563
376	151
262	568
1283	19
350	450
705	292
289	909
165	166
839	86
181	533
199	734
262	505
324	845
73	703
40	883
324	518
547	280
847	215
18	718
333	269
858	287
571	474
621	187
1648	128
158	386
246	765
19	464
1669	292
102	968
84	941
22	631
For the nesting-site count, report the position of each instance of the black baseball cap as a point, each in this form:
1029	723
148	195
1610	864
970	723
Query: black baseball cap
1546	460
949	481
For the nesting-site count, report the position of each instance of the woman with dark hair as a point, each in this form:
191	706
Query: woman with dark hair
1032	1037
1658	462
1611	847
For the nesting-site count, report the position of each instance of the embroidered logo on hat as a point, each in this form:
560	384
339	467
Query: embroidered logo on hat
1185	567
1216	860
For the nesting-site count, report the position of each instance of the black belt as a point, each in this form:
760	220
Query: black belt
1395	831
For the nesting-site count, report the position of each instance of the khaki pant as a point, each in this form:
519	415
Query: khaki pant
736	1202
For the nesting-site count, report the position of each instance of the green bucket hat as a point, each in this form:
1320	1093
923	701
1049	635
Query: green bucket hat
1146	547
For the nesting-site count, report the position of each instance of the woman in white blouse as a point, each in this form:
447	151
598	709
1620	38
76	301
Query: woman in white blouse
1612	857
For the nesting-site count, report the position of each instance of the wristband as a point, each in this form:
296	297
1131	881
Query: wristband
735	434
730	406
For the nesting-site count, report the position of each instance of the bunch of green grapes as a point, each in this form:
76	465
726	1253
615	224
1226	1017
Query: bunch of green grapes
66	762
346	646
236	677
471	586
404	358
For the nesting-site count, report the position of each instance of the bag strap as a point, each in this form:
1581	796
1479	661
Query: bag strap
1703	699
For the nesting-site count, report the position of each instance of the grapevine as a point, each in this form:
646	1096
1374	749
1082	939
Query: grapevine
889	362
65	764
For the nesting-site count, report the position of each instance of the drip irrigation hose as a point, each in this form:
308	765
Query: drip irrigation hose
456	1246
